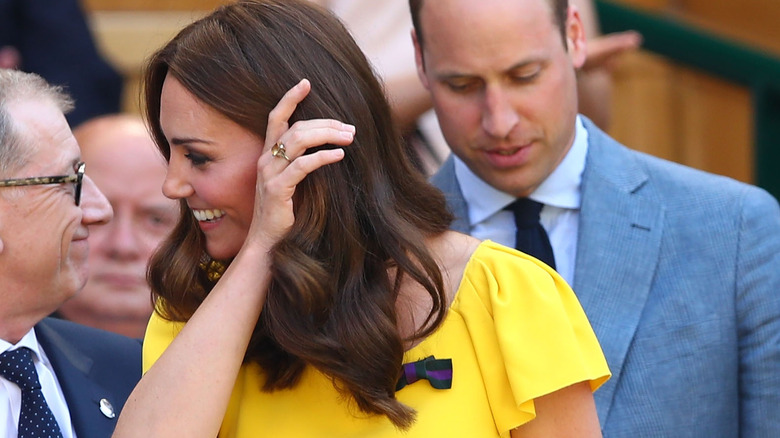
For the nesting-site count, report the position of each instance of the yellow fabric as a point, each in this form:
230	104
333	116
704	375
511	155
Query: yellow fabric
515	331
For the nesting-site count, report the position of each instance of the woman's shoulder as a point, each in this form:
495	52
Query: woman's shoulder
498	274
498	255
488	270
453	252
504	264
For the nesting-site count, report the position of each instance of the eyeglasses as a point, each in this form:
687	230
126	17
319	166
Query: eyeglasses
42	180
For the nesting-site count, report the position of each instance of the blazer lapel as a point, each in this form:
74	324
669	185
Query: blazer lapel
82	394
612	283
446	181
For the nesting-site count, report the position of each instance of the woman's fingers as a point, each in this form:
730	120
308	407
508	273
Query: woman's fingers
280	172
273	199
283	186
284	144
298	139
312	133
279	116
304	133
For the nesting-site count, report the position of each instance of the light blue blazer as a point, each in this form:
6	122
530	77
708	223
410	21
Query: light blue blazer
679	273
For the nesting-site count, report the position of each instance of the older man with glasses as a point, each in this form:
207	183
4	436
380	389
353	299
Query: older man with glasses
57	378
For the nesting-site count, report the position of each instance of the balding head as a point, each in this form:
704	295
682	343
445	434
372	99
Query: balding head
101	130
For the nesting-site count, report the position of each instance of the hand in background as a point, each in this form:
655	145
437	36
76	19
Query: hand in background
594	79
10	57
604	50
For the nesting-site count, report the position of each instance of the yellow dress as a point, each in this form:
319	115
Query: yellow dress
515	331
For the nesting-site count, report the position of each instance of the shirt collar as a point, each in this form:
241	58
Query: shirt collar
560	189
30	341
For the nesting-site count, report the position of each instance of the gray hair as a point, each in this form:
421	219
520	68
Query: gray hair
16	86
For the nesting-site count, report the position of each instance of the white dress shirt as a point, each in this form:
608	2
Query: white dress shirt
560	193
11	395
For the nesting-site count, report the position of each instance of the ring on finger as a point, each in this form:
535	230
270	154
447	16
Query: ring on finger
278	150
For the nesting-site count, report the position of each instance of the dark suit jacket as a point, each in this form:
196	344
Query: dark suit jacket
679	273
55	42
91	365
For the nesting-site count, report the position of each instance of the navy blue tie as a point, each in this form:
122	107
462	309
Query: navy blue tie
35	419
531	237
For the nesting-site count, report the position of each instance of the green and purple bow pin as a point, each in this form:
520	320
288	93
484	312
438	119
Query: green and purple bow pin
438	372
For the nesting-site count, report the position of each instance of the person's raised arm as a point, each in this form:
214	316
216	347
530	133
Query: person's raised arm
594	79
186	392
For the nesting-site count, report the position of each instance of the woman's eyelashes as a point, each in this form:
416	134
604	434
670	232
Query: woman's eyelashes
196	159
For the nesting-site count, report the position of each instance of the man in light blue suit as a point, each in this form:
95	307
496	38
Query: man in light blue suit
678	270
47	204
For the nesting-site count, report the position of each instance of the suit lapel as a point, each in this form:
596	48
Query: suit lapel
82	394
612	283
446	181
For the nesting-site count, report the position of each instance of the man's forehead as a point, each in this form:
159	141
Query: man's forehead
438	15
44	136
32	118
483	41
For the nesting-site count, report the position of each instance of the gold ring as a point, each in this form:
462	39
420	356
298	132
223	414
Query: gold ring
278	150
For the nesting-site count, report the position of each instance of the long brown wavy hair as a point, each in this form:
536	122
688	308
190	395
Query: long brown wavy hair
360	224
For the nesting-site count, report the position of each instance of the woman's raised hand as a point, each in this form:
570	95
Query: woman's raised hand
283	165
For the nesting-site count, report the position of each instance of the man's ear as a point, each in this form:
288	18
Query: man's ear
575	37
419	60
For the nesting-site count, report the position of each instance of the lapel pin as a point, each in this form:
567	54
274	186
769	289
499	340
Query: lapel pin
106	408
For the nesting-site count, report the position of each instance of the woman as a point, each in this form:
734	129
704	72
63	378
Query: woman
343	286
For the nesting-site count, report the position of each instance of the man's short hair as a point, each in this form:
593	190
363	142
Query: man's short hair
559	8
14	86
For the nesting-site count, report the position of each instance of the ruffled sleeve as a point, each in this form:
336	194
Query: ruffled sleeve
530	334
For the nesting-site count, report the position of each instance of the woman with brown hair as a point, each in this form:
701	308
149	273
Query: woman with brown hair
311	286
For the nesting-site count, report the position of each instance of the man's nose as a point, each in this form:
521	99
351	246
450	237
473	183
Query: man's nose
499	117
94	205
